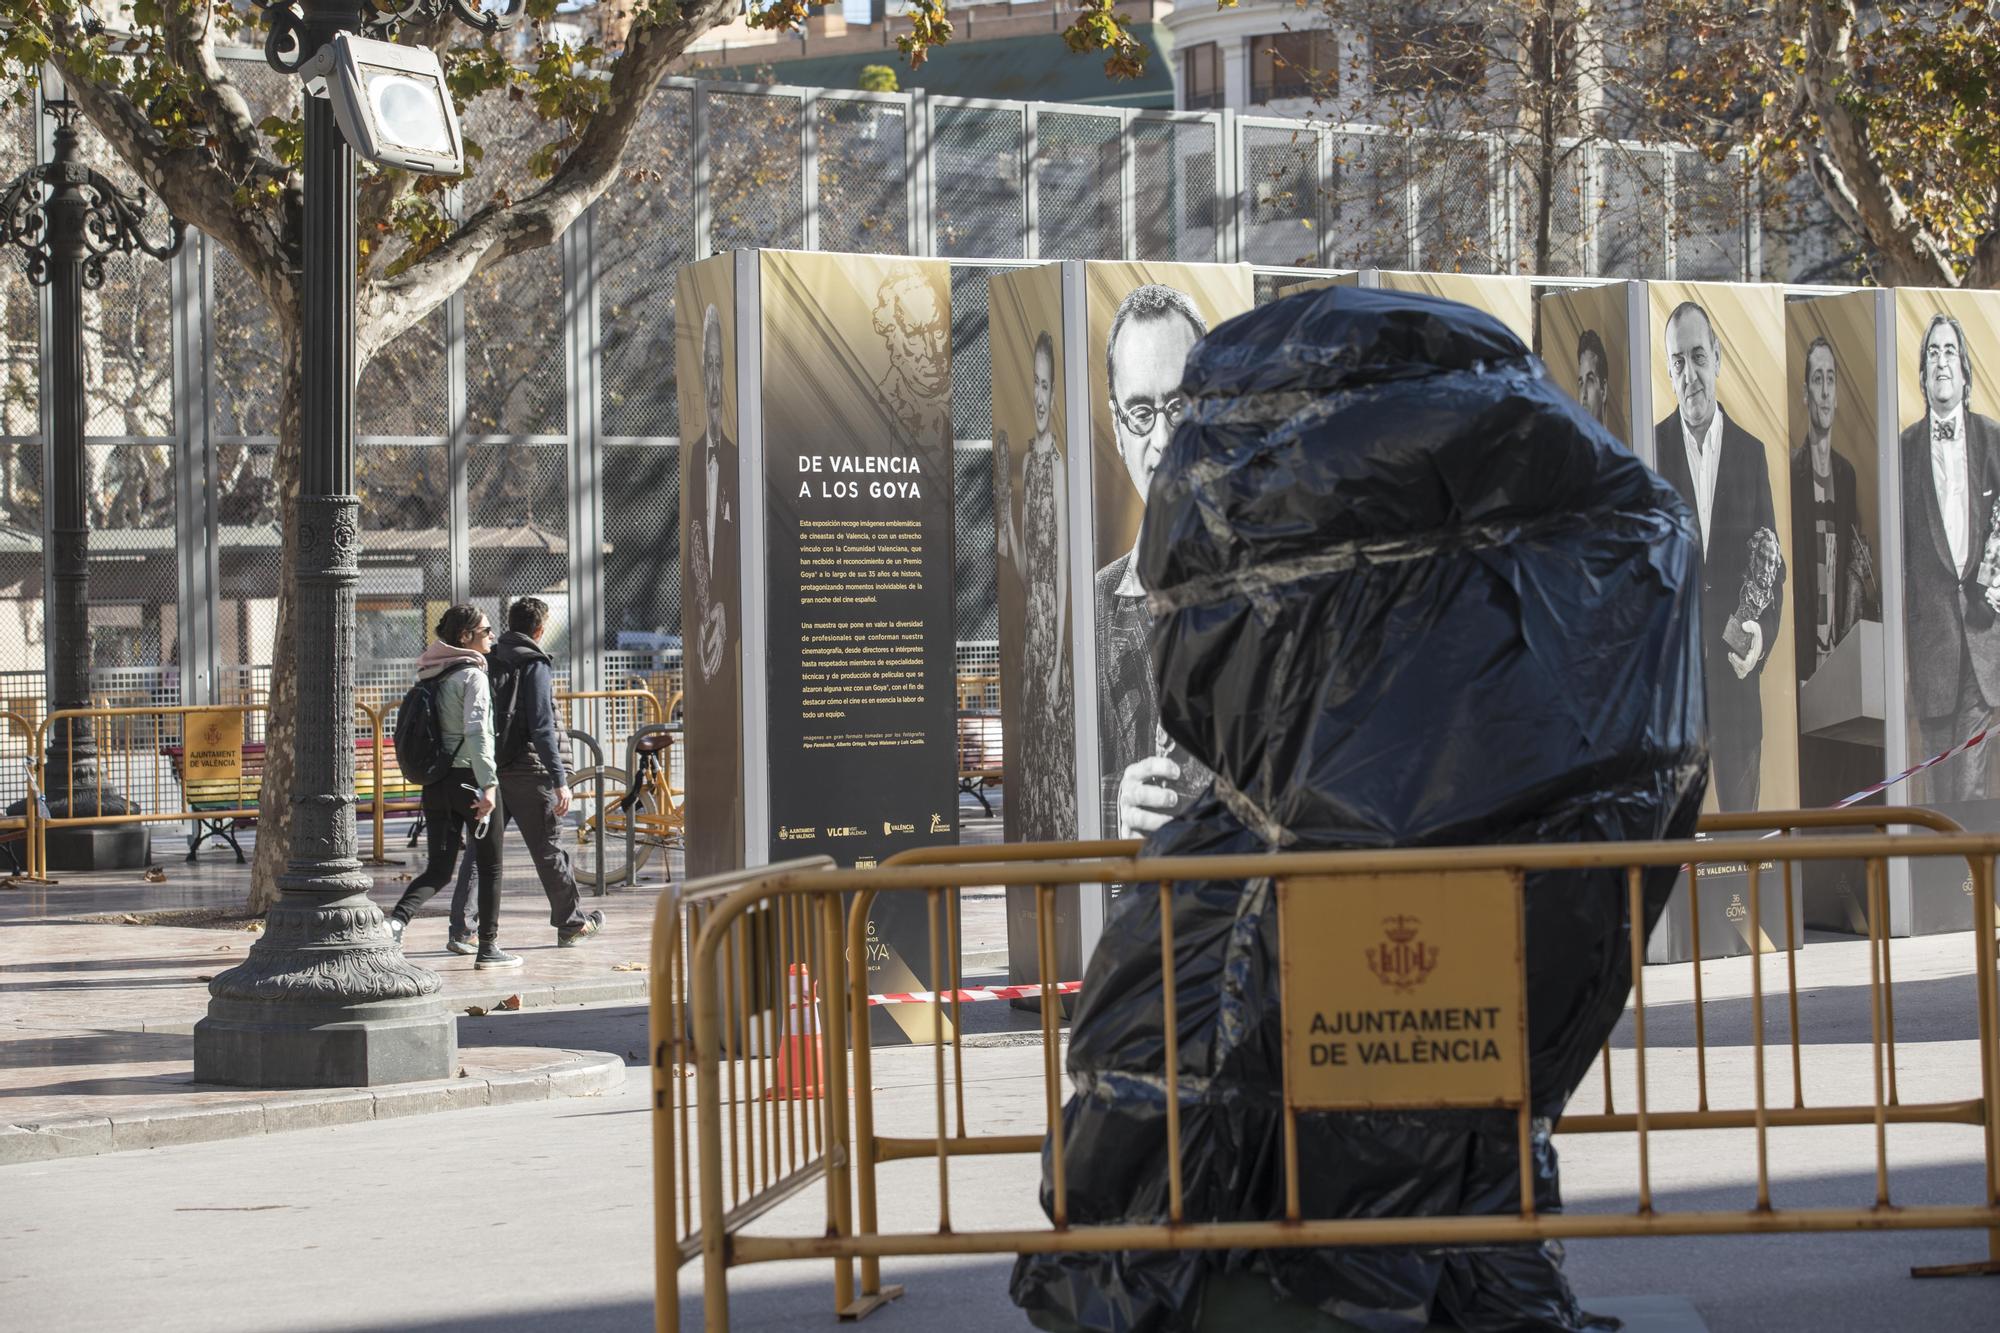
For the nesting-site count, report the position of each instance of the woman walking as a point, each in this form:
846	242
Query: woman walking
460	804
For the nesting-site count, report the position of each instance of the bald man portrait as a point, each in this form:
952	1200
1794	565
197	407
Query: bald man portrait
1147	779
1723	473
1951	480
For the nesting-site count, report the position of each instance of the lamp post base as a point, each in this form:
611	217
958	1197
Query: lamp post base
107	847
325	1000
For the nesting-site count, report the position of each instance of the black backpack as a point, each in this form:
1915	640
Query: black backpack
420	731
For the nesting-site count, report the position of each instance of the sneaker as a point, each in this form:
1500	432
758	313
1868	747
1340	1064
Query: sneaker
463	944
566	939
492	957
395	924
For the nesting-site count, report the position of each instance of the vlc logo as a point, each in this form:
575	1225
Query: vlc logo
1402	960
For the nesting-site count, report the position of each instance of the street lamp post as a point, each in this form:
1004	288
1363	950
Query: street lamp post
325	997
67	220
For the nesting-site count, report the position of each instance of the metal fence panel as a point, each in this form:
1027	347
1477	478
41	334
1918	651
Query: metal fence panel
1176	190
756	190
979	204
1078	175
1280	207
864	186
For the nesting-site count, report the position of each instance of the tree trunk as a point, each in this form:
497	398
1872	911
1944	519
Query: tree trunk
274	819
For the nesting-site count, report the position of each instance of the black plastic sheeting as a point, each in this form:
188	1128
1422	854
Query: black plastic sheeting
1406	593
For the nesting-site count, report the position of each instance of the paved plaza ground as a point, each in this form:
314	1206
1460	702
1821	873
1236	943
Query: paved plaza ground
526	1209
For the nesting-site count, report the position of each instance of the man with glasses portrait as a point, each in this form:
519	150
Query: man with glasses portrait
1146	778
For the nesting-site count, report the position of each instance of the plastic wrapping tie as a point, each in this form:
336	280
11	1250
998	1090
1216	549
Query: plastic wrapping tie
1258	583
1252	814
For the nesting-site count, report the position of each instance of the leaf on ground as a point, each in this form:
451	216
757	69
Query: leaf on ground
511	1002
255	927
202	978
475	1010
628	967
156	875
131	920
462	1073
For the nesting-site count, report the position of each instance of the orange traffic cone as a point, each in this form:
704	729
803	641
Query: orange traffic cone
798	1053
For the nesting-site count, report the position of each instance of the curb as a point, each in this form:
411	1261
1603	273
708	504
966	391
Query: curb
162	1125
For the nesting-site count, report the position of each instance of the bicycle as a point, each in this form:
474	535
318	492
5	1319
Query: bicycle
621	816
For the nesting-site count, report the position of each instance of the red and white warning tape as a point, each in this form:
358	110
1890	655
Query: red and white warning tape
973	995
1934	760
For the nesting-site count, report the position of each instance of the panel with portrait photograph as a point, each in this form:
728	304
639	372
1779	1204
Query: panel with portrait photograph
711	674
1720	440
1582	339
1509	300
1031	526
1146	318
1835	553
1947	421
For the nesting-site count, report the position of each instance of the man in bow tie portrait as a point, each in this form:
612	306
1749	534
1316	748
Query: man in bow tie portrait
1723	472
1951	480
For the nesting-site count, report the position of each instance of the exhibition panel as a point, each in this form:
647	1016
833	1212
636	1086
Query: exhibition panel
1587	339
1941	451
1836	552
711	533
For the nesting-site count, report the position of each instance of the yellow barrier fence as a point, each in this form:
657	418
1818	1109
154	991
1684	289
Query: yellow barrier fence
25	829
704	973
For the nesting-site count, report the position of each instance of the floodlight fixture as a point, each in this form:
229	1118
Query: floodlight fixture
390	102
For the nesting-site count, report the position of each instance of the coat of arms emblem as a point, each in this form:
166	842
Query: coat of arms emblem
1402	960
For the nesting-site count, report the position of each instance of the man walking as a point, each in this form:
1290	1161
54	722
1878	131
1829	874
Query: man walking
534	786
1951	480
1720	469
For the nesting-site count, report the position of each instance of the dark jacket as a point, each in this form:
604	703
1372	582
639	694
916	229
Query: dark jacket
1742	505
1946	609
1805	557
524	701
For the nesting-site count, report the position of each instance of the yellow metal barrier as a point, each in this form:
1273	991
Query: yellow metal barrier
140	756
707	983
774	965
33	870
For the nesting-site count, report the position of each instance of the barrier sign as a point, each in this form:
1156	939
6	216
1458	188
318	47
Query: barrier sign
1403	991
214	751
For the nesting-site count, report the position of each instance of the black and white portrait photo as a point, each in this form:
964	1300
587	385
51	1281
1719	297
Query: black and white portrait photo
1951	554
1593	374
712	557
1723	473
1040	547
1835	573
1146	777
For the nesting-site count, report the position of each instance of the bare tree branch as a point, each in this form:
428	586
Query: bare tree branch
389	305
188	29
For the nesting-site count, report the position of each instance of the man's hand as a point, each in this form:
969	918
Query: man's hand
484	805
1143	804
562	801
1747	663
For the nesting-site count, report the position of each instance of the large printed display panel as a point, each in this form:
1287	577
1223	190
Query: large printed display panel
860	632
1146	318
711	519
1509	300
1946	419
1032	526
1835	555
1583	340
1719	439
